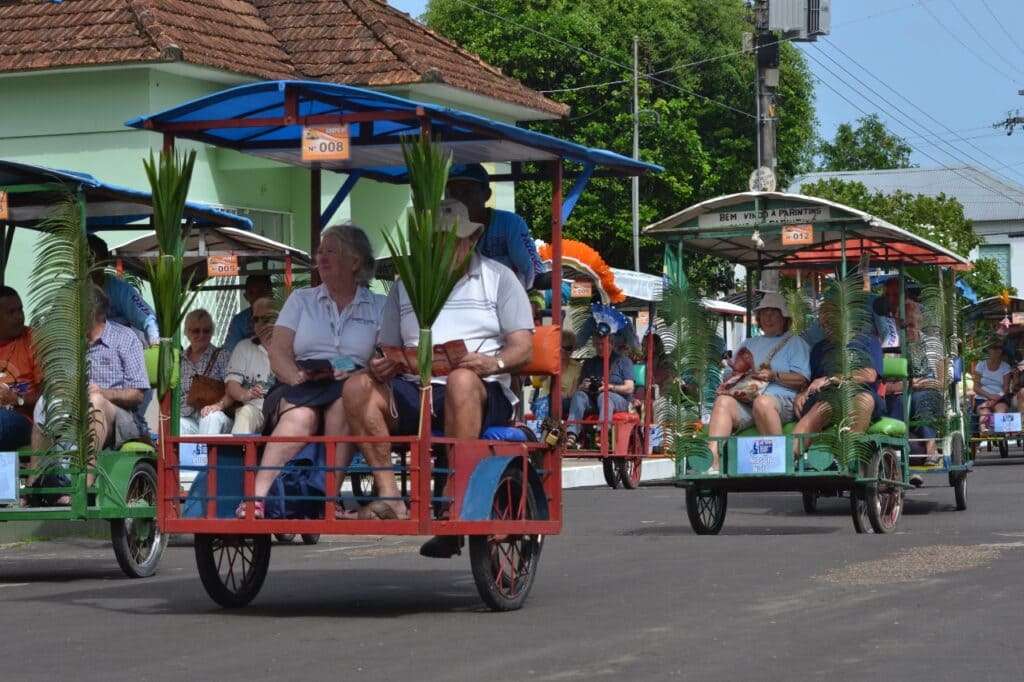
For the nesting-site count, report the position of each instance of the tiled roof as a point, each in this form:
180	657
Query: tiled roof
985	196
356	42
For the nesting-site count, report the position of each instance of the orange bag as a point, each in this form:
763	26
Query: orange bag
547	351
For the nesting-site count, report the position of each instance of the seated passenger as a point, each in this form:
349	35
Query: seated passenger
781	362
20	375
991	385
241	325
590	396
127	306
201	358
117	379
488	308
246	379
926	392
506	237
322	335
570	379
814	412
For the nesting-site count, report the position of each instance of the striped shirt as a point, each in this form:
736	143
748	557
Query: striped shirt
486	305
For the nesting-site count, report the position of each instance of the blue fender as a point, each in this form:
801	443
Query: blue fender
483	483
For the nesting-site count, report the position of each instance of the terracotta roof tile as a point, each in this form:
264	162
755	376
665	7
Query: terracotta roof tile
357	42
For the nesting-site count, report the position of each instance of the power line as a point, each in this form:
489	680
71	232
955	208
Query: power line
912	104
604	58
984	40
967	47
1002	27
970	179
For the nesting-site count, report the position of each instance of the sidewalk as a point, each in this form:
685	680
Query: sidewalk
585	473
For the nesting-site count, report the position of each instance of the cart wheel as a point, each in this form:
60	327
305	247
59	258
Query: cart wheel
1004	449
859	511
138	543
885	500
285	538
310	538
504	566
232	567
706	509
362	486
958	479
629	471
810	501
611	472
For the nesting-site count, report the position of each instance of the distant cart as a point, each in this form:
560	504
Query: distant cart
125	488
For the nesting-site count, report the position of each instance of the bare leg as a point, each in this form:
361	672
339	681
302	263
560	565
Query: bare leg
724	415
814	421
294	422
367	407
464	404
102	422
766	416
336	424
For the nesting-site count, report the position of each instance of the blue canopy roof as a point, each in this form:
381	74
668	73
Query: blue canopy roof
963	287
257	113
108	207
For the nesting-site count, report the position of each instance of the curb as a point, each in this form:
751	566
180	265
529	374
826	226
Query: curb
577	474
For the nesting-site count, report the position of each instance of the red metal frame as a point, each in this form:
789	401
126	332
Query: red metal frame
420	458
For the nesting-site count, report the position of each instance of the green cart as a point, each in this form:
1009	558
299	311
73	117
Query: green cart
124	491
816	238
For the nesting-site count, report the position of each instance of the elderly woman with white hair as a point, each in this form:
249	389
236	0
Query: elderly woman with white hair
322	335
201	358
779	368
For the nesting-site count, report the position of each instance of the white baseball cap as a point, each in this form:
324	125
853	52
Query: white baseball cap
772	299
453	215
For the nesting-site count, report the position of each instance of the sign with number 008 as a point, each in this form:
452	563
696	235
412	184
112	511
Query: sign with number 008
325	143
5	207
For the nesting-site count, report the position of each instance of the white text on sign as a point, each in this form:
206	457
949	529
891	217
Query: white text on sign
795	235
325	143
5	207
222	266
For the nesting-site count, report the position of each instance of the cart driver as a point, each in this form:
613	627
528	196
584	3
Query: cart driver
506	238
126	305
489	309
590	396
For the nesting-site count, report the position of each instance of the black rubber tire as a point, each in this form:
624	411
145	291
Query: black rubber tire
885	501
630	470
285	538
611	472
362	486
810	500
214	551
138	543
310	538
958	479
706	510
488	558
859	511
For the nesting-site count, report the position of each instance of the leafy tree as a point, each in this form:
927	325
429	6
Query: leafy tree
706	149
939	219
868	146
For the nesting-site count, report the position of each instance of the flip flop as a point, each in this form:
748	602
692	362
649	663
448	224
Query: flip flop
381	510
240	510
345	515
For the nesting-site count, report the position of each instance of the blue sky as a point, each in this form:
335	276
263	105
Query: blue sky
965	85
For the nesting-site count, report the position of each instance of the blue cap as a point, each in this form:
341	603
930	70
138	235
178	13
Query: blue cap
470	171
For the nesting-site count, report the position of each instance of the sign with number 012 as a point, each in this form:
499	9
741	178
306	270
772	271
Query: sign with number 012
325	143
795	235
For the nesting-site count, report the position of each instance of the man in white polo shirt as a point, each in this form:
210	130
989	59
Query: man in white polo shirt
489	310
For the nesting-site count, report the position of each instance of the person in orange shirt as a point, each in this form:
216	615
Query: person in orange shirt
20	376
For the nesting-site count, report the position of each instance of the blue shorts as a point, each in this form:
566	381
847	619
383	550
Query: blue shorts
497	408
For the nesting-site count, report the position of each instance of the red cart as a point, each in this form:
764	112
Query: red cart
506	496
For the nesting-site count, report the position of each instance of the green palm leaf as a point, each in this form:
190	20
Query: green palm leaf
59	286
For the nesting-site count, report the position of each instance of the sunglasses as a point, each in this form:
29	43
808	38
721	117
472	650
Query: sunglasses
263	319
202	330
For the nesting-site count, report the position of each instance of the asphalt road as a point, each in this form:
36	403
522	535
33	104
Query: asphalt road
626	592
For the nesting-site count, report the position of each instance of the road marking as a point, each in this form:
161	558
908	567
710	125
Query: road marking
13	584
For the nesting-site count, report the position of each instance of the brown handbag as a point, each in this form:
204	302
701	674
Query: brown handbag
205	390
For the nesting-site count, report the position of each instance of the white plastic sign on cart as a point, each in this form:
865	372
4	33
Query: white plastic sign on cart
761	455
1006	422
8	476
192	455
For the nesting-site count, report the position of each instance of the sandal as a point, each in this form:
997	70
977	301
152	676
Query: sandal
240	510
381	510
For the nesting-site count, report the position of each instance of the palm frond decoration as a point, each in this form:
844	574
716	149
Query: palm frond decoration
60	294
844	314
424	256
799	307
169	178
694	350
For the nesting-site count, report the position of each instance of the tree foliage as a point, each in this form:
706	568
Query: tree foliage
939	219
867	146
705	148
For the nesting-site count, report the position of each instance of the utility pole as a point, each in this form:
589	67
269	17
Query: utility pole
766	52
1012	120
636	152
